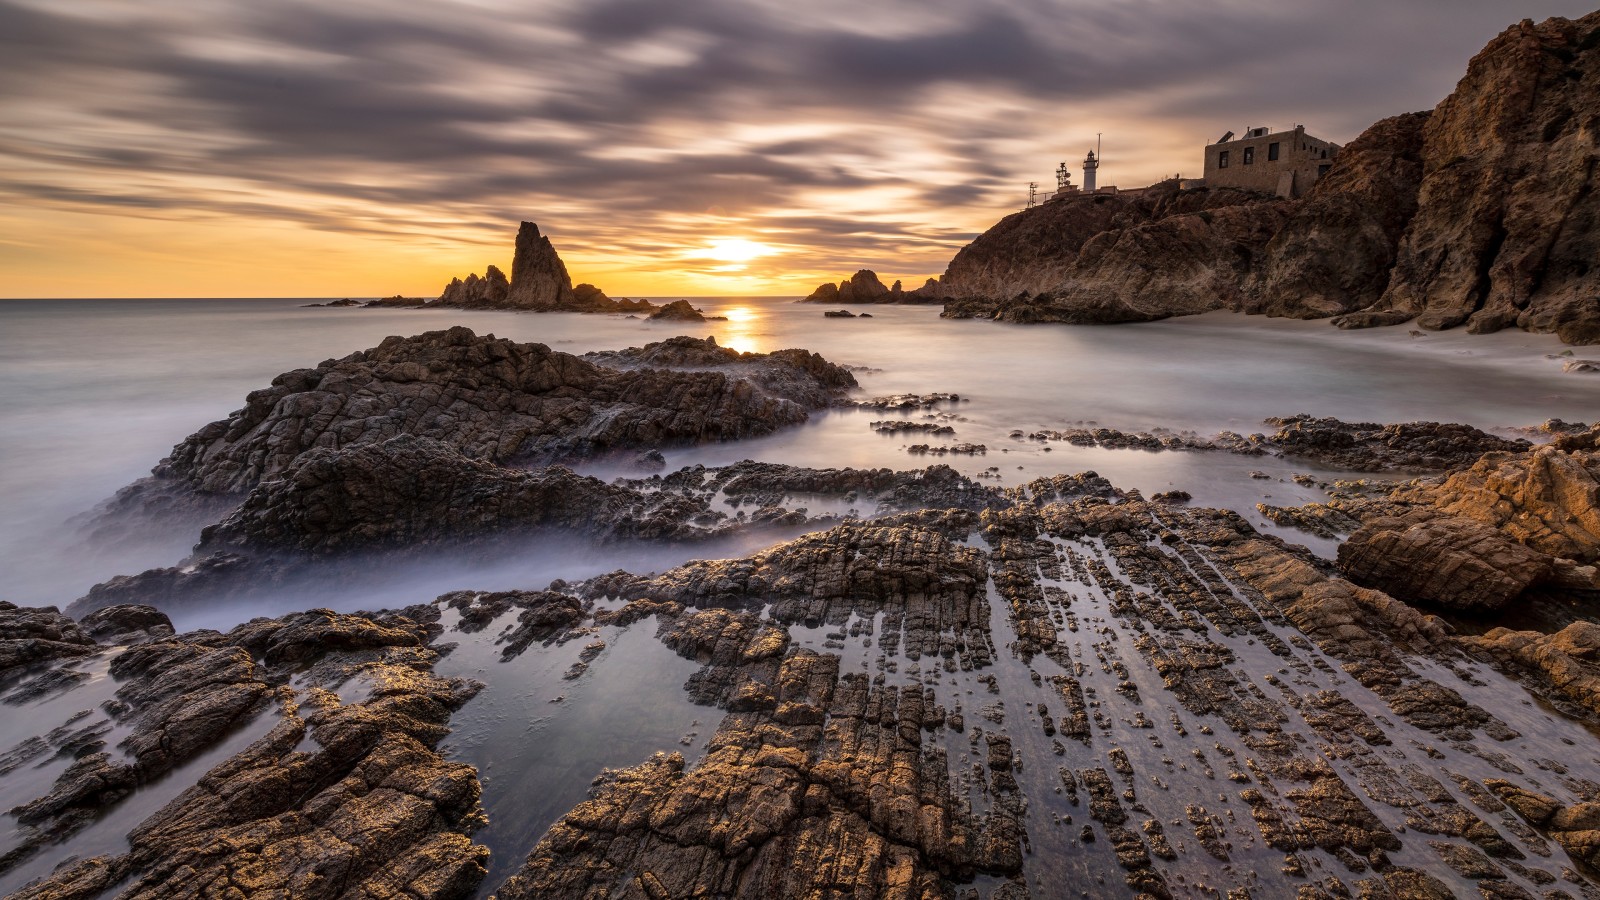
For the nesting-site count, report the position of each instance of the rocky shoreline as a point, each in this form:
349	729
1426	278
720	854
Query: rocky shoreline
1024	688
942	687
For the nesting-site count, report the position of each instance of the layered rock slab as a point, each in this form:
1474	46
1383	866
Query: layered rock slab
337	799
491	399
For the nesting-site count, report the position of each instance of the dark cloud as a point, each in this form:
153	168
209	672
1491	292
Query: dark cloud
637	115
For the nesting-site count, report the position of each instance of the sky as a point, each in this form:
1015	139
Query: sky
302	148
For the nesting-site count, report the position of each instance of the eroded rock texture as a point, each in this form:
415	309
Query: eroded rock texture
1099	694
1334	253
1104	258
1484	536
335	513
340	793
491	399
1506	218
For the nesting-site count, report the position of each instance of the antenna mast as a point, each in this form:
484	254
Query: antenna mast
1033	193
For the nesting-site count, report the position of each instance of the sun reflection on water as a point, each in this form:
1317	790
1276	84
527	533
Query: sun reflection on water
740	332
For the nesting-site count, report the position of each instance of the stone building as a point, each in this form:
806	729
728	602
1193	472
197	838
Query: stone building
1285	163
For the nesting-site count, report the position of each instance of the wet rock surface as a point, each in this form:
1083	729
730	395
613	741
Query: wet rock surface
338	791
1097	691
1494	535
334	513
1353	446
491	399
1053	688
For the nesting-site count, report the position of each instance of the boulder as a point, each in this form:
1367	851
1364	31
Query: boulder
1453	563
678	311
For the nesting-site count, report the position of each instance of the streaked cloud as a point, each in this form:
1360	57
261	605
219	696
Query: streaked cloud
411	137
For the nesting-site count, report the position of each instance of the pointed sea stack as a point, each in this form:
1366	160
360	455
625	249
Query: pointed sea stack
539	279
539	283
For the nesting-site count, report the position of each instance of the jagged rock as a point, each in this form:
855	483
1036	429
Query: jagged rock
412	491
127	624
839	314
678	311
30	636
1334	253
348	799
1507	213
1569	660
862	287
491	399
1576	828
1547	499
539	283
1368	446
1452	563
488	292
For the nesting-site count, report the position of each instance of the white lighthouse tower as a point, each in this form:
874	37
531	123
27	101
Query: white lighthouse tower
1090	166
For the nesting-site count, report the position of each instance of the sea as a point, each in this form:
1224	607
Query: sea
95	392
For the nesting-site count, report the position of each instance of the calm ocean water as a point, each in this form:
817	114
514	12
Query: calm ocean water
94	392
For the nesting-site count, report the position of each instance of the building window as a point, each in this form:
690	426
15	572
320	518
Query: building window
1272	152
1249	155
1222	160
1323	170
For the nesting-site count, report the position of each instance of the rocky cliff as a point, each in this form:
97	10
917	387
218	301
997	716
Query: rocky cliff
1482	212
1334	253
1508	222
539	283
1115	258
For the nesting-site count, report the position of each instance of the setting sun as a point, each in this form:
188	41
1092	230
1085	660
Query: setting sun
736	250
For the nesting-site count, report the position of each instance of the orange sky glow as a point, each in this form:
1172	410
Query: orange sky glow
219	148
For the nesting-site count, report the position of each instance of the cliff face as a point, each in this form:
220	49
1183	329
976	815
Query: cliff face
1112	258
1334	253
1508	224
1481	213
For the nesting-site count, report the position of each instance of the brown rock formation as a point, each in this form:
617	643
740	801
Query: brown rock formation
1109	258
539	283
492	399
1569	660
1482	212
1460	565
1507	215
1334	253
862	287
336	799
